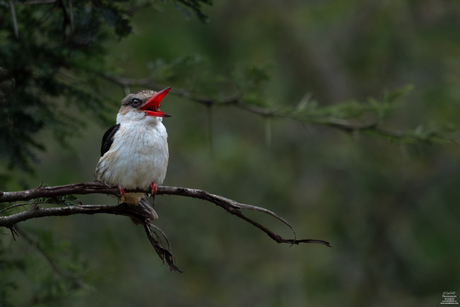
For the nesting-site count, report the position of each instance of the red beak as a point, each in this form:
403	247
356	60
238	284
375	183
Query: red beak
151	106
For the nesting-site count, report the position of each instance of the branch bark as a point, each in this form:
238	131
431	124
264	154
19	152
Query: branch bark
94	187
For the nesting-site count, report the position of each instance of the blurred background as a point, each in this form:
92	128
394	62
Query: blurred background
390	210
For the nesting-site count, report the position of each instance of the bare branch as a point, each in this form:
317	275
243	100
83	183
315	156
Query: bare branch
94	187
229	205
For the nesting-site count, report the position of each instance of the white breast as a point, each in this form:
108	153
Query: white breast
138	156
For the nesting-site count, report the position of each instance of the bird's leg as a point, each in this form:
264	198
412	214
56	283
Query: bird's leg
154	188
122	190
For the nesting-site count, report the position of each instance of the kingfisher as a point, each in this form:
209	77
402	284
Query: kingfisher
134	151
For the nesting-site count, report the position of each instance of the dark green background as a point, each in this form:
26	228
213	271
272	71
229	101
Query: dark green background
390	211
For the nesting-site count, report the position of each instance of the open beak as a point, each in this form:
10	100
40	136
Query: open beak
151	106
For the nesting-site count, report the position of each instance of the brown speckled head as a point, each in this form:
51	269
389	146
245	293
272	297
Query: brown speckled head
145	101
135	100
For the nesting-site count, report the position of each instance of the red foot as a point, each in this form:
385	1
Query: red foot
154	188
122	190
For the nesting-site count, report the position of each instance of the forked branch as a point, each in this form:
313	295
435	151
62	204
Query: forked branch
48	193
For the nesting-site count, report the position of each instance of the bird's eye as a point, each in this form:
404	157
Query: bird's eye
135	102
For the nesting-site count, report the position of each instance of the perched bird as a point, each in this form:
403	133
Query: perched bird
134	152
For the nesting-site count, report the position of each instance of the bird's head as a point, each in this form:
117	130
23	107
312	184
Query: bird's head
144	104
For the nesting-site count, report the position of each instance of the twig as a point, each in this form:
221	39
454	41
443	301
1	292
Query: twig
14	232
163	253
44	18
72	25
38	2
14	206
123	82
15	22
50	260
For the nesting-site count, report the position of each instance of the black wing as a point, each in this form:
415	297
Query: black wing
107	139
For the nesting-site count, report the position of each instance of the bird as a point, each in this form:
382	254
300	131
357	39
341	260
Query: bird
134	151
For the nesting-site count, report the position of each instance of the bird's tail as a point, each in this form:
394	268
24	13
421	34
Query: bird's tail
144	209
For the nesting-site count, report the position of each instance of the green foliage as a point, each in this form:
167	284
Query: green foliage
51	63
196	77
189	72
380	110
8	266
247	84
65	200
251	77
195	6
372	113
54	272
53	68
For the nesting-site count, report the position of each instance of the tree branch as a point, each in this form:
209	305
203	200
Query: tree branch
235	100
149	82
43	194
